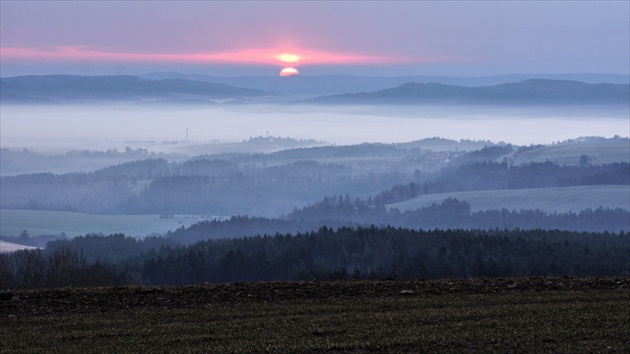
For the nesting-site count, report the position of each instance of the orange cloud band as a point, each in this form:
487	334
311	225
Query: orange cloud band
250	56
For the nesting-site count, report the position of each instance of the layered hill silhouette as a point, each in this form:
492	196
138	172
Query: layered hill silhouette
94	89
88	89
527	92
307	86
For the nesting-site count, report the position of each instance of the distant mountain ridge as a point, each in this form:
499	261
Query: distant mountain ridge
527	92
71	88
306	86
161	89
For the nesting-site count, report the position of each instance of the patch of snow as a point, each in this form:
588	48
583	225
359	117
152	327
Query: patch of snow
6	247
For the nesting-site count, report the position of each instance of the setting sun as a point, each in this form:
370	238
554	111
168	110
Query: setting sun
289	72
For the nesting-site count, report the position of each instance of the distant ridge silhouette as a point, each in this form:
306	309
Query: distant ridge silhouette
71	88
527	92
94	89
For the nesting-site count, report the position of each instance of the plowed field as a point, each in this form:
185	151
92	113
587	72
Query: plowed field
488	315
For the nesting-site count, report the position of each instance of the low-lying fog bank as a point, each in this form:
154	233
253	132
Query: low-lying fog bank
169	129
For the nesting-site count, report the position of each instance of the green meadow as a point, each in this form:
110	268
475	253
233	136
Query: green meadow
36	222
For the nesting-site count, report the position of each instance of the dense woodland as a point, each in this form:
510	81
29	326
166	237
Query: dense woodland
357	253
342	211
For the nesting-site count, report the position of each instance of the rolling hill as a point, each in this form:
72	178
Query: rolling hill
559	200
328	89
595	150
92	89
319	85
527	92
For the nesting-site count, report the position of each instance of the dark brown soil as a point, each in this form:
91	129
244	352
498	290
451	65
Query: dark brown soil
90	300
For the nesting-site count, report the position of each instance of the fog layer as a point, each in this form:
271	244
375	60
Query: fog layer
60	128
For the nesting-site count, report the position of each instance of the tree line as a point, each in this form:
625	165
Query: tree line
496	176
327	253
339	211
222	187
453	213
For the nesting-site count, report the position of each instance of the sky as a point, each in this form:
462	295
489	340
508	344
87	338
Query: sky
371	38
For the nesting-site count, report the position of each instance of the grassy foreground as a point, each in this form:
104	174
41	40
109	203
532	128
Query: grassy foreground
504	315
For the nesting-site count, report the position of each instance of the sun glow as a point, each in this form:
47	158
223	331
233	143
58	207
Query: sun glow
289	72
244	56
289	58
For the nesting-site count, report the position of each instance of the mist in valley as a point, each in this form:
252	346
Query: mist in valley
196	130
176	159
185	163
195	160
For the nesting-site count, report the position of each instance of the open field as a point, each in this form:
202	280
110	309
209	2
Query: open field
498	315
598	152
559	200
37	222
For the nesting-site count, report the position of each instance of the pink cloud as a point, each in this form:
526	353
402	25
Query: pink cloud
274	56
